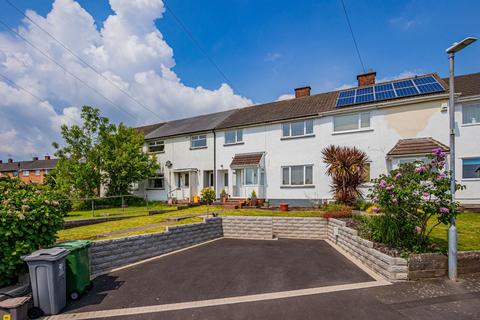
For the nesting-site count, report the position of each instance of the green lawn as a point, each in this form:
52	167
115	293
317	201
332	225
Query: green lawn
117	212
468	228
92	231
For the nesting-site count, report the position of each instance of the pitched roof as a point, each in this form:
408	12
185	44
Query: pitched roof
201	123
149	128
416	146
28	165
298	107
247	159
467	84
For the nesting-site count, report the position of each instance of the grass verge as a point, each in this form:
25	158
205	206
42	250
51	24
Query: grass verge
468	228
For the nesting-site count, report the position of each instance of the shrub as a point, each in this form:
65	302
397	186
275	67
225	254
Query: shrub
363	204
253	194
347	167
30	217
208	195
408	198
337	211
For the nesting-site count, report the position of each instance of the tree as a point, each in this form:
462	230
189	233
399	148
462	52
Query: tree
122	160
98	152
347	168
411	196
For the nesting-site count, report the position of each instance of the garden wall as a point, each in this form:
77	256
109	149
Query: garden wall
433	265
391	268
267	228
106	255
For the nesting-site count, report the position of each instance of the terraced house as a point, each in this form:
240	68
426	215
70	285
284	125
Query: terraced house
275	148
29	171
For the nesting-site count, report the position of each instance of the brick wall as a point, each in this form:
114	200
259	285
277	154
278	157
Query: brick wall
106	255
246	227
391	268
433	265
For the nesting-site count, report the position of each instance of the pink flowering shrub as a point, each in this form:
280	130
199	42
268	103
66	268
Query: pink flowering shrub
30	216
409	197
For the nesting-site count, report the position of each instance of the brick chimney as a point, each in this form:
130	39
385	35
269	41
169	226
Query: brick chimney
35	158
47	157
1	161
302	92
366	79
10	160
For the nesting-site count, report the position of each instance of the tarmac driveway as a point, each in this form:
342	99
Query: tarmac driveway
221	269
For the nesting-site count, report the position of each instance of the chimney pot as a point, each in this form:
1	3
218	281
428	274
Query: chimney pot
10	160
1	161
47	157
35	158
302	92
366	79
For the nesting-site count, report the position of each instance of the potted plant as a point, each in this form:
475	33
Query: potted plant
253	199
223	196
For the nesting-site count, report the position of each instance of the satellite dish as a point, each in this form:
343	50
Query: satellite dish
168	164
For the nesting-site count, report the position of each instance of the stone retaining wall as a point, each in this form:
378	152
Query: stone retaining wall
267	228
433	265
391	268
106	255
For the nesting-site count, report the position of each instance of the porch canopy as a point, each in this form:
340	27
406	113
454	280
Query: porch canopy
416	146
244	160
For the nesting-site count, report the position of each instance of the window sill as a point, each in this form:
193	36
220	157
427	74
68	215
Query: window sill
155	152
351	131
233	144
305	186
470	179
154	188
471	124
298	137
198	148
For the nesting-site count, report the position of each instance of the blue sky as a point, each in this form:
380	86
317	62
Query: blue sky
267	48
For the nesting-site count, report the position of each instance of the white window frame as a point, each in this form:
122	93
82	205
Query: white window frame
238	134
26	173
359	121
159	176
255	176
287	126
196	138
289	168
156	143
474	178
470	105
37	172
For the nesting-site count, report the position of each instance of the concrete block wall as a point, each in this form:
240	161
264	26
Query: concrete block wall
434	265
267	228
106	255
391	268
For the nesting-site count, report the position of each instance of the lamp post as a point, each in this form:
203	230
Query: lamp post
452	231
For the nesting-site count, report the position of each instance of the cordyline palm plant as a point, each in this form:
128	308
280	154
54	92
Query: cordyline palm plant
347	167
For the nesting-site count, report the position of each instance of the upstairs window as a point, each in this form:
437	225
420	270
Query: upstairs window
351	122
199	141
297	128
233	136
471	168
297	175
471	114
156	146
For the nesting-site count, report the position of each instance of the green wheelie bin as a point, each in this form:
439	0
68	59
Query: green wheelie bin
78	267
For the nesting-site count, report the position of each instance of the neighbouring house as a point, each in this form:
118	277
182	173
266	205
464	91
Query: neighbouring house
33	171
275	148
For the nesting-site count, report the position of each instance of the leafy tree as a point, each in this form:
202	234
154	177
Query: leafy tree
347	167
409	197
122	160
30	217
96	153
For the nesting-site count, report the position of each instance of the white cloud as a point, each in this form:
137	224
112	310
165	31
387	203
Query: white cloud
405	24
128	50
285	97
270	57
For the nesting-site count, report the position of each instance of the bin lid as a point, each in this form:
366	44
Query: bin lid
74	245
52	254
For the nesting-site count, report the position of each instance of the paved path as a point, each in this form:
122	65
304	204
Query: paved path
284	279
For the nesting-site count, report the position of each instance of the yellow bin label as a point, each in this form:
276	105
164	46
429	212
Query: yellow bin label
7	317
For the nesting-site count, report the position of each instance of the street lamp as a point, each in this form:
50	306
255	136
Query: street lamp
452	231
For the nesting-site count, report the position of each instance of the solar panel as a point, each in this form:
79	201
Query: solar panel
385	91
